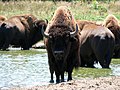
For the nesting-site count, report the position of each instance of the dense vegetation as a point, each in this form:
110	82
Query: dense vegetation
82	9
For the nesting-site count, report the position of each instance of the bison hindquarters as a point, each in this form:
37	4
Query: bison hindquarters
103	49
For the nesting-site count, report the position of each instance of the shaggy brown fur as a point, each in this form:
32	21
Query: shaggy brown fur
97	44
112	23
62	16
82	23
21	30
60	40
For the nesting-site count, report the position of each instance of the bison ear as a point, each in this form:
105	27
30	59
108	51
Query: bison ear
46	21
3	24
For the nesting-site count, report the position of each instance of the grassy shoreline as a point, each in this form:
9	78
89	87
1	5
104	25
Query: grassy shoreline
96	11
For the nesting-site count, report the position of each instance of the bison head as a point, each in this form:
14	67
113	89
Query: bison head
59	39
115	29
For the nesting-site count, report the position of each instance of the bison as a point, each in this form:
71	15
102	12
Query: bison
62	42
21	30
112	23
97	44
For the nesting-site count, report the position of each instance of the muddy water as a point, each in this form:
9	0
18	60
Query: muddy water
28	68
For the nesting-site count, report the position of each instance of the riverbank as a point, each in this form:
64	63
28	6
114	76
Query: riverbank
101	83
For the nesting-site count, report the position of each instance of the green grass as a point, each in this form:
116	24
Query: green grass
91	72
44	10
115	61
14	53
94	72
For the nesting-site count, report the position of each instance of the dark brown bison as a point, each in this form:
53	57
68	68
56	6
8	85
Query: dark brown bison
63	44
22	30
97	44
112	23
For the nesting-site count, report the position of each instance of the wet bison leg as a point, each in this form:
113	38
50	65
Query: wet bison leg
8	40
26	41
69	75
104	53
51	66
51	72
69	70
57	77
25	44
62	77
82	62
91	61
1	44
107	61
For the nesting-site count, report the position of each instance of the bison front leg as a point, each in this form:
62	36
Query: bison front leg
51	66
62	77
6	44
51	72
57	77
69	75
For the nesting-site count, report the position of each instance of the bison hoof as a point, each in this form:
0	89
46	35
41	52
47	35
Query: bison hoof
57	81
51	81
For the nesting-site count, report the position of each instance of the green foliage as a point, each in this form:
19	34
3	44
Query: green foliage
91	73
115	61
94	10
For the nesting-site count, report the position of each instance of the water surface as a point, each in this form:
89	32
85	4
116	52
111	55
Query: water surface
30	67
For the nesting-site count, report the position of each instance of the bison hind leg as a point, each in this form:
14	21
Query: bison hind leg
62	78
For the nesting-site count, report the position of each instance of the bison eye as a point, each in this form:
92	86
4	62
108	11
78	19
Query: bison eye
51	39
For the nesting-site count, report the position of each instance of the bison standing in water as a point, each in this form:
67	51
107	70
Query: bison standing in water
22	30
97	44
112	23
63	44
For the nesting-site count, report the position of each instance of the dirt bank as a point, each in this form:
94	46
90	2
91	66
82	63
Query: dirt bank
102	83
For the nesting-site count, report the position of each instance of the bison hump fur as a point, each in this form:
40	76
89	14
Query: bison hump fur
62	17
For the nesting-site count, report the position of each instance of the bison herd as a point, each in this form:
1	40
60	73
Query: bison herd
21	30
69	43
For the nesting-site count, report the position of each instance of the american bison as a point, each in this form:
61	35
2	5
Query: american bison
112	23
63	44
21	30
97	44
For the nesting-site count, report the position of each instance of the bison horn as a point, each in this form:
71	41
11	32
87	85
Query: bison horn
44	33
72	34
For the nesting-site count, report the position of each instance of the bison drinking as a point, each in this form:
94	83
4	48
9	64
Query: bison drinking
22	30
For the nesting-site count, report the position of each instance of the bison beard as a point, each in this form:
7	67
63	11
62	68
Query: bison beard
62	43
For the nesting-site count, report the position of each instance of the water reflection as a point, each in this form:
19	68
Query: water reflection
22	70
116	69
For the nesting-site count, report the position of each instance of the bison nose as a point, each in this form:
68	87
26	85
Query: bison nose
58	54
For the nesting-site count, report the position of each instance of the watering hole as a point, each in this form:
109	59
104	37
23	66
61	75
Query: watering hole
30	67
